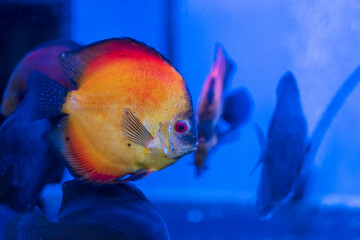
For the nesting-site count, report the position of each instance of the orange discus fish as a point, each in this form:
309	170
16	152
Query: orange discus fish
131	112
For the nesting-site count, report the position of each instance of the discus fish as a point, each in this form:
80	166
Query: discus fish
284	150
131	113
43	59
213	107
116	211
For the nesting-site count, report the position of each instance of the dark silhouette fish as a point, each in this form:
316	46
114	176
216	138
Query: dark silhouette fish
45	59
219	112
285	148
90	212
27	163
288	153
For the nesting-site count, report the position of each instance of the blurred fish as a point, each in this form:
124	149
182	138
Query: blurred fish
27	163
287	153
284	149
218	116
44	59
116	211
130	115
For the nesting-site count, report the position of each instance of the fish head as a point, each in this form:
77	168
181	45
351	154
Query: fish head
287	88
178	137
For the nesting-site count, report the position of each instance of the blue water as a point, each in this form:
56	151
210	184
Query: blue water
317	40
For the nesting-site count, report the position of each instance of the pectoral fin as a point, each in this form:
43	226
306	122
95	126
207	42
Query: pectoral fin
133	130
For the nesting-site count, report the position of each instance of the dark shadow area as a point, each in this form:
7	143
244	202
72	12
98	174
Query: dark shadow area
24	26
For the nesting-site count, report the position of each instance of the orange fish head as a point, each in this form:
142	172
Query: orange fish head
178	137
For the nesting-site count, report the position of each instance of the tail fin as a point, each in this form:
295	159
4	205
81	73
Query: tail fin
45	96
238	107
330	113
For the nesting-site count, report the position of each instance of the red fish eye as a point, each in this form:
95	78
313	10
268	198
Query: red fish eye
181	126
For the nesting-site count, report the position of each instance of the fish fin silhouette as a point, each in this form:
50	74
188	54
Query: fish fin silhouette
238	107
133	130
230	65
45	96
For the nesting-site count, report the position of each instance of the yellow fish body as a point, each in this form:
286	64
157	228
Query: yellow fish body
131	113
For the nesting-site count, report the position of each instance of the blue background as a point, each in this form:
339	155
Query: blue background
318	41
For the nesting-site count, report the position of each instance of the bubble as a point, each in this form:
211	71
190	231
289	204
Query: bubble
195	215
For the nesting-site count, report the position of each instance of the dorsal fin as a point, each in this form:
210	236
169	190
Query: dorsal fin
75	61
133	130
230	65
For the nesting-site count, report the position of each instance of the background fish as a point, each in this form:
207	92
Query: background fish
285	147
44	59
217	115
131	113
287	153
27	163
116	211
